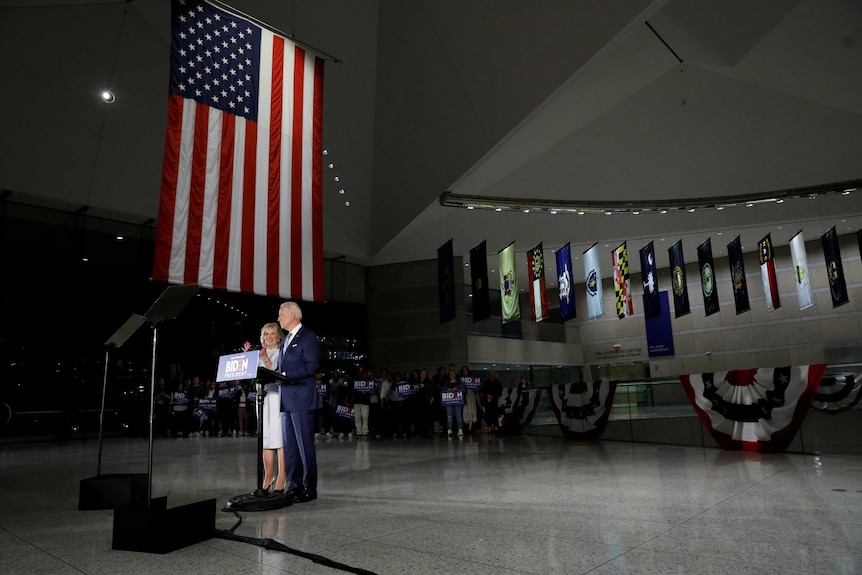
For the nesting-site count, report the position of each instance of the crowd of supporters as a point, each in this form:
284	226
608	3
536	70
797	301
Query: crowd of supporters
365	403
408	404
189	408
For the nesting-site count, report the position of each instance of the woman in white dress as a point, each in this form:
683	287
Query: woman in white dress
273	439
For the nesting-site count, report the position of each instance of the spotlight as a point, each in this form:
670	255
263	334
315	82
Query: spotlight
108	97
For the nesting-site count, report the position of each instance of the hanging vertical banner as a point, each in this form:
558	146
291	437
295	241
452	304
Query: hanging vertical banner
834	268
622	294
567	293
804	289
678	280
446	281
509	284
593	281
707	278
659	332
538	300
767	273
479	276
652	305
737	276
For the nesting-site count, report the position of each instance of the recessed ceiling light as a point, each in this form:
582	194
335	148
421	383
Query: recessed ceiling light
108	97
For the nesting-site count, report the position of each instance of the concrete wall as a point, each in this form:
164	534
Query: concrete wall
405	330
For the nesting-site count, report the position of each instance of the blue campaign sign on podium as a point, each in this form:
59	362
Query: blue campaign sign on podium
237	366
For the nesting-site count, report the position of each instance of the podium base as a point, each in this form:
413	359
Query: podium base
259	501
111	490
157	529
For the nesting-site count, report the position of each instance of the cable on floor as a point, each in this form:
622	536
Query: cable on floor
274	545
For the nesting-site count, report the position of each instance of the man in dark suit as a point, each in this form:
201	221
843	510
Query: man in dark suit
297	360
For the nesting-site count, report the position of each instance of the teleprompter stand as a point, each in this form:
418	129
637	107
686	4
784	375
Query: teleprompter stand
151	527
113	489
261	499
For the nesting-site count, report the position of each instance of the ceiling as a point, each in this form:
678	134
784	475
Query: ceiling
627	100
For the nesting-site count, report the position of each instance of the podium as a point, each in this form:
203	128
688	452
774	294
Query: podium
148	525
111	490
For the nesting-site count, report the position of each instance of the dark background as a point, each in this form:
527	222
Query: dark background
58	310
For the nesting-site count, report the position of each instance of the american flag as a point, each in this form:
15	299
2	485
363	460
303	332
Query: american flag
241	194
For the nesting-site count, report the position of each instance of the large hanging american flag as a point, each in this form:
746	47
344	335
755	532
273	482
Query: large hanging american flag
241	195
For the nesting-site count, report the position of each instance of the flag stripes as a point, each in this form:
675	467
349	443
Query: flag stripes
241	197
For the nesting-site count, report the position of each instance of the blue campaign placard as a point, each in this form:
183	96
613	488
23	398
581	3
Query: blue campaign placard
237	366
406	389
365	385
451	397
473	382
344	412
207	403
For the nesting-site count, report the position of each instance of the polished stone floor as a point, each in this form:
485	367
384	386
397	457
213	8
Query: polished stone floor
481	505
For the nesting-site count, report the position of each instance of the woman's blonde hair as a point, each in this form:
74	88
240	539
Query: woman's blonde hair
274	326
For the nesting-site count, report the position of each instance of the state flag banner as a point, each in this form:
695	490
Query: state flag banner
707	278
240	206
679	282
446	281
622	293
804	289
538	299
565	279
593	283
509	284
737	276
767	273
479	279
834	268
649	275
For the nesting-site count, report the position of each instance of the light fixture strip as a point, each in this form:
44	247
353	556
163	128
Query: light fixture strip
500	204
